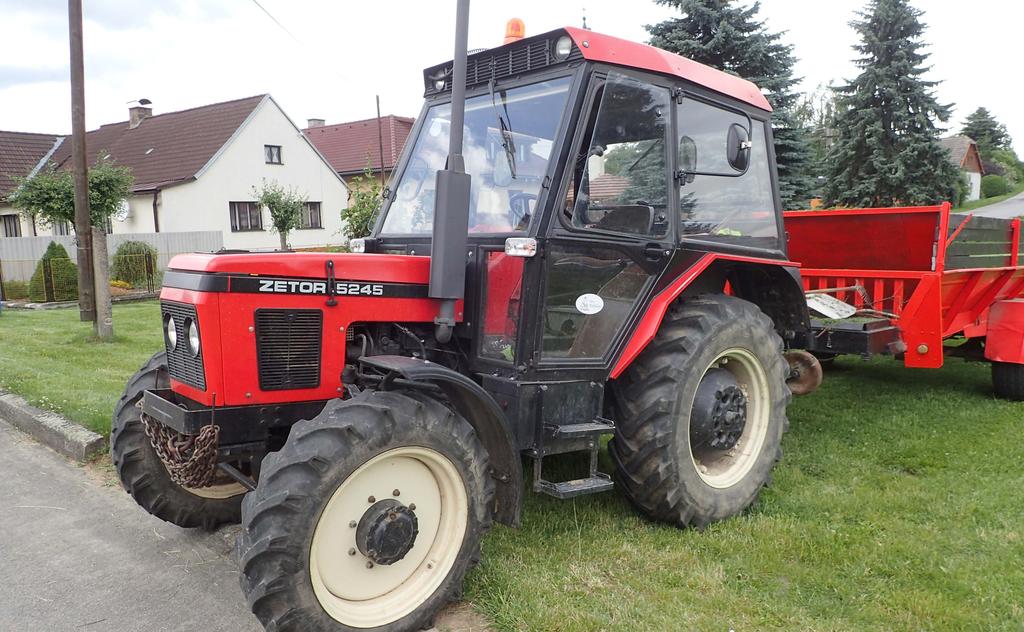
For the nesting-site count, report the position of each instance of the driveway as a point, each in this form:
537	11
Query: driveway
77	553
1006	209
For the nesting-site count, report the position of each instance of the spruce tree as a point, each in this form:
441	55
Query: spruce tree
989	133
887	151
727	36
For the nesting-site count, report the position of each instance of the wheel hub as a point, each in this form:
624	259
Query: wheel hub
387	532
719	411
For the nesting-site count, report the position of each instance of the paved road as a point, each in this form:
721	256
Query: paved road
1007	209
77	554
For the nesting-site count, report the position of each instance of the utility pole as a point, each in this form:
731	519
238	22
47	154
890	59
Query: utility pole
380	142
83	223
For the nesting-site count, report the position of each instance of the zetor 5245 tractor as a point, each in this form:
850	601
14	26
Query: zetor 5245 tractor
583	240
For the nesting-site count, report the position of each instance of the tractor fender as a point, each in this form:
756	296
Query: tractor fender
771	284
480	410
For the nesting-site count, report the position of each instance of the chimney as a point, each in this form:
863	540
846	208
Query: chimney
315	123
138	113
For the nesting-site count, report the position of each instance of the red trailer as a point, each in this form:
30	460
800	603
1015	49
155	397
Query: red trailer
917	276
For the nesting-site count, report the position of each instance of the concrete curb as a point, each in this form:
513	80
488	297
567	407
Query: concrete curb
51	429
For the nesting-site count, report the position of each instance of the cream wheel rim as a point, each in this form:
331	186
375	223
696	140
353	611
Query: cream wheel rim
351	589
723	469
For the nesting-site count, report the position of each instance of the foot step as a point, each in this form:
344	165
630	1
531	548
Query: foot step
579	487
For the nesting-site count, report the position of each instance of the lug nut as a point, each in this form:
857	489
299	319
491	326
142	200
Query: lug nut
369	565
351	551
371	500
352	524
412	506
396	493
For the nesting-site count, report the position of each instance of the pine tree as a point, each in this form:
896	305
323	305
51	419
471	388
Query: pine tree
989	133
887	151
724	35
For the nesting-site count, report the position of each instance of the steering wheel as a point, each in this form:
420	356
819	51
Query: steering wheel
519	209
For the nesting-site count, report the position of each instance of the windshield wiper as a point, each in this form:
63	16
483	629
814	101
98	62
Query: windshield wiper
505	128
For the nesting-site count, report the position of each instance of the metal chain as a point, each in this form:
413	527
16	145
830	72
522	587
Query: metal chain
191	460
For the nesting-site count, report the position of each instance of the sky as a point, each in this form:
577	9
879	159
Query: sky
328	59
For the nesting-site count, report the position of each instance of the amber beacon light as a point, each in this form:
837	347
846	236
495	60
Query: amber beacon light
515	30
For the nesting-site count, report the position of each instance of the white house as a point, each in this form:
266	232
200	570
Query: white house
22	154
196	170
963	152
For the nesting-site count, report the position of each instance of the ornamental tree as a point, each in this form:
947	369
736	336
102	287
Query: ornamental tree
285	206
728	36
886	150
985	130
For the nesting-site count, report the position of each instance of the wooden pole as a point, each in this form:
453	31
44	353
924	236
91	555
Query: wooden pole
83	225
380	142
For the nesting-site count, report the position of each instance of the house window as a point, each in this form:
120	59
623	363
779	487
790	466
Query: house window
311	216
12	226
272	153
62	228
246	216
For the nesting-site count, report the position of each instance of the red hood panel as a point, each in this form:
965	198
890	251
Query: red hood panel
347	266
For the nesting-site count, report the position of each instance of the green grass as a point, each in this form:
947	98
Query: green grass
50	358
898	506
970	206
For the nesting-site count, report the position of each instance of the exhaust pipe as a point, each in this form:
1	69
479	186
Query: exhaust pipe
451	205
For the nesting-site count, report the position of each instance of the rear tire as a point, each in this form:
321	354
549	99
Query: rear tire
1008	380
689	480
305	567
143	474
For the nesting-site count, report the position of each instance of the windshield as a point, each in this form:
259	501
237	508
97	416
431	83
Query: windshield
508	137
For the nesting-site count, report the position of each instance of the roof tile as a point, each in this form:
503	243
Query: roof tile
350	146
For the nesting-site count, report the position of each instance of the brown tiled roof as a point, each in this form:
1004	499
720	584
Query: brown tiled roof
608	187
20	154
348	146
958	147
167	149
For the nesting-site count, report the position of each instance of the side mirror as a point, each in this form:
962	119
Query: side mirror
737	147
687	159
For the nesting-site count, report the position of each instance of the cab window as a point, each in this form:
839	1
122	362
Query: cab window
620	180
725	186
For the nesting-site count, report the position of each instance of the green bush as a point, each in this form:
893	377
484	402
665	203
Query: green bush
994	186
15	290
55	277
134	262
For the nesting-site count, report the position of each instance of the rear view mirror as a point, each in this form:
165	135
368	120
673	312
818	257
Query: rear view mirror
737	147
687	159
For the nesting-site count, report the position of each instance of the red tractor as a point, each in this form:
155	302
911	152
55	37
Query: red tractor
583	240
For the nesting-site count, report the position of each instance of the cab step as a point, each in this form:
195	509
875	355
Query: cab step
579	487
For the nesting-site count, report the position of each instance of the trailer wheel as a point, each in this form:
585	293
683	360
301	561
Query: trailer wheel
144	476
1008	380
702	413
368	518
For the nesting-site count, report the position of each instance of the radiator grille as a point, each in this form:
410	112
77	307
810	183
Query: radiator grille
288	343
181	364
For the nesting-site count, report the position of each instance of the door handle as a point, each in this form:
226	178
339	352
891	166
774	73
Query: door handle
654	252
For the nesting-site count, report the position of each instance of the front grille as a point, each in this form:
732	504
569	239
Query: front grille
507	62
288	343
181	364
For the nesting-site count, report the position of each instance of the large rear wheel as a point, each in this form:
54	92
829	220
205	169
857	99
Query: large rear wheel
368	518
702	413
144	475
1008	380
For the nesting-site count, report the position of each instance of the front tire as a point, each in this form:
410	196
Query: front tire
143	474
399	465
702	413
1008	380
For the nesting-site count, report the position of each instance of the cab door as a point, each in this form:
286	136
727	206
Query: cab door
612	232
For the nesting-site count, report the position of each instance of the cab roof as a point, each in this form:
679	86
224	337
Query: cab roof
613	50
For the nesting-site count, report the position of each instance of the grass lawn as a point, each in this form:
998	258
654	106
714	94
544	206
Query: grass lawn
970	206
49	358
898	506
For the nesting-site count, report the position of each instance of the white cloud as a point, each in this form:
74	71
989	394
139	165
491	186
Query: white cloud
188	53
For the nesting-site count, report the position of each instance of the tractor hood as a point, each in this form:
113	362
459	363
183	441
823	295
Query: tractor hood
307	265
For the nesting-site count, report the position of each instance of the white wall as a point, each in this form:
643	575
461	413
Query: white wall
975	180
204	203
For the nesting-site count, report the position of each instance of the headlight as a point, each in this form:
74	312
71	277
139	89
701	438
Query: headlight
357	245
193	337
563	47
172	333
